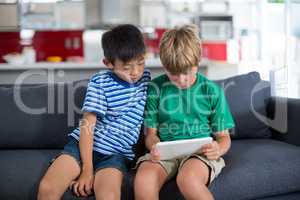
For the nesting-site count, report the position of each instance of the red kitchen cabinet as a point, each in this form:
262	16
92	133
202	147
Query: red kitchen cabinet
9	43
58	43
152	42
211	50
214	50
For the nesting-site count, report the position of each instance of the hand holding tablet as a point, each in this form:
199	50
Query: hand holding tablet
179	148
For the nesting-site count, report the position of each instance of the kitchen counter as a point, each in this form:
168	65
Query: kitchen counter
45	72
151	63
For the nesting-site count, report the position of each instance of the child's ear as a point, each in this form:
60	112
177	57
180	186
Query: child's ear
107	63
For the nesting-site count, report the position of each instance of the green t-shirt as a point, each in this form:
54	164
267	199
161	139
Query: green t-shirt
195	112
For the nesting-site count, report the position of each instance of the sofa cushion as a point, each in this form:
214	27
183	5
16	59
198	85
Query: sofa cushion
289	196
254	169
257	168
40	115
247	96
21	170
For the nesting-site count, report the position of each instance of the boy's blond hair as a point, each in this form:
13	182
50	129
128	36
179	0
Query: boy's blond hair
180	49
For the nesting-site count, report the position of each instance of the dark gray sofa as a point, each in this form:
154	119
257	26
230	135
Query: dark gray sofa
263	162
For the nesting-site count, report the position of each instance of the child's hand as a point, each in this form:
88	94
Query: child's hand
155	157
211	151
83	186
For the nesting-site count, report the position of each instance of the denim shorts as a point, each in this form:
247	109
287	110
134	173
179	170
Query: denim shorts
100	161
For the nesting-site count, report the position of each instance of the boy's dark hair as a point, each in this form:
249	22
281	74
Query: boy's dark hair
124	42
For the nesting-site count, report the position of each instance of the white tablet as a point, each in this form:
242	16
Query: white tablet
178	148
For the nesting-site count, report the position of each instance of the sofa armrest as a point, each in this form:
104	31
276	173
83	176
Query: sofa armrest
284	119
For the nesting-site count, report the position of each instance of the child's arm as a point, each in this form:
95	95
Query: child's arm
151	140
86	140
217	148
224	141
84	184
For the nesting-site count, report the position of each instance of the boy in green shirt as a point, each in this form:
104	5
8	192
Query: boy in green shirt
183	104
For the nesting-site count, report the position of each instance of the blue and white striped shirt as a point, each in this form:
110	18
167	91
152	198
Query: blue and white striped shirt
119	107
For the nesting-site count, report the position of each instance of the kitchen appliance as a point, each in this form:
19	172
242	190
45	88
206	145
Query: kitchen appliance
215	27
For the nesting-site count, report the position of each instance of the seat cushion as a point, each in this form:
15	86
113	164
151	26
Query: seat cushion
21	170
289	196
257	168
247	96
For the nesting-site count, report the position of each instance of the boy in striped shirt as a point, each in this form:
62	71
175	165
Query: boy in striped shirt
100	149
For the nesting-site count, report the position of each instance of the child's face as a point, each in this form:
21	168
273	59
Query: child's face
183	81
130	71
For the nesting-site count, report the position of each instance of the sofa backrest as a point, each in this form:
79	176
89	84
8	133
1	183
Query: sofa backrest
247	96
39	115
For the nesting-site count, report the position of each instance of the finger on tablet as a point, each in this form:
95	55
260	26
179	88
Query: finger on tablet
209	150
207	146
211	155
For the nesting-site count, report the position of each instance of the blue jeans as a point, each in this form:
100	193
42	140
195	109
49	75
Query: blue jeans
100	161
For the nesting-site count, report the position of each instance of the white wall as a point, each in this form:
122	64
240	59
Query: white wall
120	11
9	15
152	14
